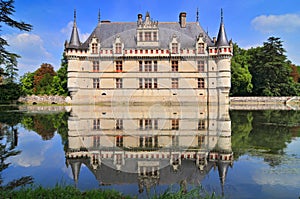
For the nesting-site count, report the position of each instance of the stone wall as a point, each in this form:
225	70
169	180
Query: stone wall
262	100
35	99
265	103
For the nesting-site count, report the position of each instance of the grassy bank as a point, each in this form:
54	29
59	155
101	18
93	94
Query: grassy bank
66	192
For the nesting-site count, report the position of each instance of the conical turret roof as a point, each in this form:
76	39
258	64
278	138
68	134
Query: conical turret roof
222	38
74	40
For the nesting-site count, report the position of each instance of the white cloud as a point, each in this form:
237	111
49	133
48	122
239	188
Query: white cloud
31	49
32	153
29	46
276	23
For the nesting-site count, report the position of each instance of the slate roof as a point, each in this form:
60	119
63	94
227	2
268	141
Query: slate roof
107	32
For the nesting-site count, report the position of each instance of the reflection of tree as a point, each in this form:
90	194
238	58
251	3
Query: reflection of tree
42	124
46	124
264	133
61	123
8	141
241	128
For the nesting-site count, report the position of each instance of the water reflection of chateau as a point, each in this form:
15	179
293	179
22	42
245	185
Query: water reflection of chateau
149	144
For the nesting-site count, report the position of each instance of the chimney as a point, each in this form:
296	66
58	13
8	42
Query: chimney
140	18
214	40
182	19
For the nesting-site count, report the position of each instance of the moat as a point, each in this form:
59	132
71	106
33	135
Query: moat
144	150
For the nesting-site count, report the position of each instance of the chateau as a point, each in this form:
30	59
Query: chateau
149	61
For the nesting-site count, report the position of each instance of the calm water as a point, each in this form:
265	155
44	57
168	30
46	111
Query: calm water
145	150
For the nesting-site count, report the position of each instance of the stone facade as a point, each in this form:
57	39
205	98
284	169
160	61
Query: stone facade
149	61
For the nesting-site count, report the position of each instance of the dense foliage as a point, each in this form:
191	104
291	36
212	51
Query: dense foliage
45	81
268	69
240	76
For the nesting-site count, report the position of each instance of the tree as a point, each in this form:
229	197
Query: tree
270	70
295	73
27	84
43	78
11	70
6	10
8	60
59	84
240	76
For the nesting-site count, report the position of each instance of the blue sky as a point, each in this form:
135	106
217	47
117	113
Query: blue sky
248	23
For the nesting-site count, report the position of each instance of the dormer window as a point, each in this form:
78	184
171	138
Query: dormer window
147	31
118	48
118	45
154	36
94	48
147	36
201	48
174	48
174	45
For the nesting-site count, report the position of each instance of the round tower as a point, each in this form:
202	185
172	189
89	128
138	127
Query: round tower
223	61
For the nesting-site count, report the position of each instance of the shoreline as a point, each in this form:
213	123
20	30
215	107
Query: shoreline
236	103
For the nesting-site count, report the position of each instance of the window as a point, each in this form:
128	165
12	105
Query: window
96	124
201	48
201	139
174	82
201	125
141	141
174	48
147	36
140	66
156	124
148	66
200	82
119	83
119	66
148	124
96	140
119	141
148	82
174	66
200	65
155	66
155	83
119	157
95	66
175	124
119	124
154	36
141	124
148	142
140	36
96	83
94	48
95	158
140	82
118	48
